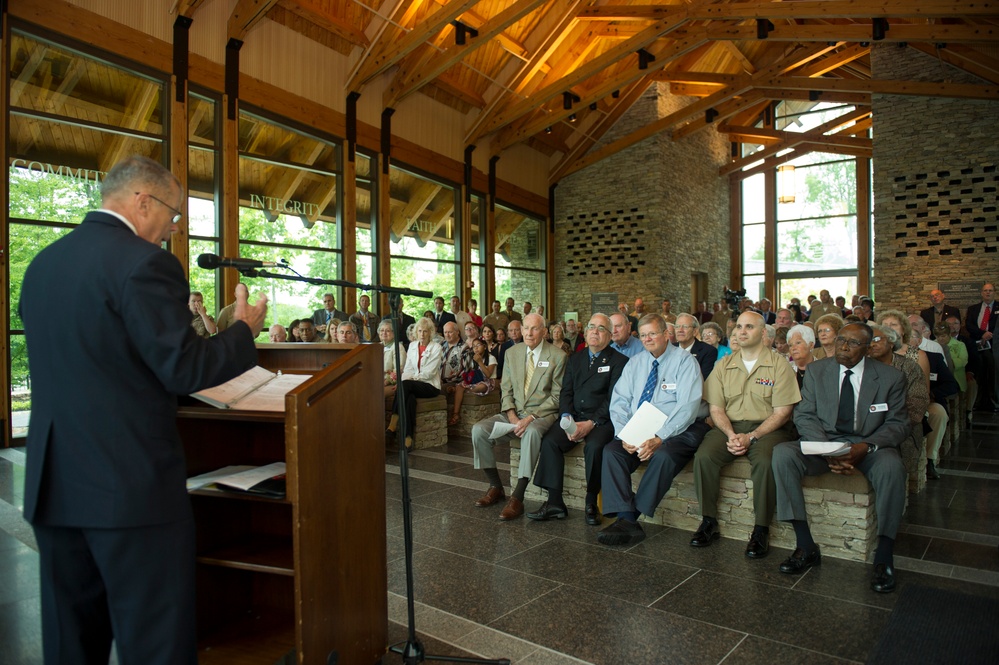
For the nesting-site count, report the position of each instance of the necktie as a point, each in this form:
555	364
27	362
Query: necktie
845	415
366	330
592	358
328	316
650	384
530	370
986	316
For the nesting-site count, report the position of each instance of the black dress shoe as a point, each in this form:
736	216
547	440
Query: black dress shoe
546	512
759	544
592	515
801	561
622	532
707	532
884	578
931	470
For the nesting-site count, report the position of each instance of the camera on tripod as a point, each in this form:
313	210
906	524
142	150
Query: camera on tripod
733	298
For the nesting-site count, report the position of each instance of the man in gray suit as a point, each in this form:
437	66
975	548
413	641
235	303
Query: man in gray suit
869	416
532	383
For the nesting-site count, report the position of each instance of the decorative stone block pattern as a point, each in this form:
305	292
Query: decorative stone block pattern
935	182
473	409
431	422
840	508
641	221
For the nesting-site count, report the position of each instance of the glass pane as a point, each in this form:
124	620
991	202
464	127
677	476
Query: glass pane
519	239
754	285
365	202
201	121
20	387
289	300
752	248
365	272
43	192
477	237
819	189
801	287
26	240
201	279
273	142
304	201
58	81
423	217
753	201
439	278
817	244
201	186
524	285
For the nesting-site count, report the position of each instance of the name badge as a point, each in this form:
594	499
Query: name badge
933	376
669	386
543	363
603	368
878	408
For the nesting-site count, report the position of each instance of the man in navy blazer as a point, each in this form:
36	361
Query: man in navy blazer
705	354
589	381
861	403
105	483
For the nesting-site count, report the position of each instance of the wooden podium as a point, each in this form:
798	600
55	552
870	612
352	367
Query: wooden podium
305	574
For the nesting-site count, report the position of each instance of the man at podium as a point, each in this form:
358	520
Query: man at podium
105	483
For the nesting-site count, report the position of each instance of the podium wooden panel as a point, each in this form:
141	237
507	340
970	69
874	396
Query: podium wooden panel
305	574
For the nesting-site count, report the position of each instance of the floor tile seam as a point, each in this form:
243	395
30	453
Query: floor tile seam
733	649
493	563
950	534
981	475
676	586
441	478
972	572
513	610
476	626
548	539
924	567
798	646
971	460
447	457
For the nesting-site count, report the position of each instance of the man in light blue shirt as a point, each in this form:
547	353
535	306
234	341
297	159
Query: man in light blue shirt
621	338
670	379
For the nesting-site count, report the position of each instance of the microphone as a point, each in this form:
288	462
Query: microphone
211	261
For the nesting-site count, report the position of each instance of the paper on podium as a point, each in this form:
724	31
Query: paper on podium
501	429
826	448
643	425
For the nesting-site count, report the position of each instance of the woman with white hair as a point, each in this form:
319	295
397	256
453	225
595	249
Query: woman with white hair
387	337
800	342
421	376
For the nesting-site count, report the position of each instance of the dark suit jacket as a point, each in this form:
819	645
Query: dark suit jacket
407	321
586	390
103	449
319	316
445	317
815	415
971	320
942	381
705	355
768	317
930	316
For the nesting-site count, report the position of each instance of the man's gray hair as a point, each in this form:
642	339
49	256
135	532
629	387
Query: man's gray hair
653	318
693	319
136	172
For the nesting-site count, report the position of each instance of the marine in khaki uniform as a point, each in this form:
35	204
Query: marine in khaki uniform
751	395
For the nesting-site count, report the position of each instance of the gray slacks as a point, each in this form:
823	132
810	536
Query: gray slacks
530	443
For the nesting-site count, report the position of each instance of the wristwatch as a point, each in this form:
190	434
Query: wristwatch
753	440
872	448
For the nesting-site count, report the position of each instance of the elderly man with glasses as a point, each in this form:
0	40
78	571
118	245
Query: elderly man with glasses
686	338
584	408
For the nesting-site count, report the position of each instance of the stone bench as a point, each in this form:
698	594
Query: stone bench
431	421
840	508
473	409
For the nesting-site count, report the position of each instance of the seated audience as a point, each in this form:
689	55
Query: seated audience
307	331
800	343
471	309
971	391
346	333
387	337
471	332
365	321
711	333
869	419
780	341
421	377
488	335
293	332
477	380
201	321
558	338
496	318
883	348
451	364
277	334
827	328
531	386
621	338
705	354
322	318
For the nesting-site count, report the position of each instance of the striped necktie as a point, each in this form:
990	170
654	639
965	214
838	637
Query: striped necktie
529	374
650	384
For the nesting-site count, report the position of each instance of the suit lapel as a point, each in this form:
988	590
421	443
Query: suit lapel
868	390
542	352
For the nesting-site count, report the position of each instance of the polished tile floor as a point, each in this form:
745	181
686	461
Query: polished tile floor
549	593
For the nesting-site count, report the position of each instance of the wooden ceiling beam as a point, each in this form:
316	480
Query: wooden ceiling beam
187	7
740	57
401	88
629	12
421	196
627	48
394	50
964	58
245	15
676	49
791	141
861	32
564	12
326	20
830	9
143	99
834	60
462	92
884	87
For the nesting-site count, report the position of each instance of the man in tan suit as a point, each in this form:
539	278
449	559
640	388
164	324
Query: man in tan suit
532	383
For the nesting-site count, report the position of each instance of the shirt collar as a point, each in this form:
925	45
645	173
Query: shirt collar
121	217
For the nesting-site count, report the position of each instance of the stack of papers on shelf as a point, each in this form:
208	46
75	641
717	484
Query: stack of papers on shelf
267	480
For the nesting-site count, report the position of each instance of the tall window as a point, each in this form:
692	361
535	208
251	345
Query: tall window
72	117
289	195
520	257
425	236
202	184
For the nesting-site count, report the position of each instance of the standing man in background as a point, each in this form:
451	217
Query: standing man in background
105	487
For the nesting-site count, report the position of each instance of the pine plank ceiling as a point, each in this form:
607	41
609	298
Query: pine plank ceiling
557	74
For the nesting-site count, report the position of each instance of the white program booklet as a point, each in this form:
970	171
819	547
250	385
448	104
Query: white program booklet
826	448
643	425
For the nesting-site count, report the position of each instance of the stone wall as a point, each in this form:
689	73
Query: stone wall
641	221
935	183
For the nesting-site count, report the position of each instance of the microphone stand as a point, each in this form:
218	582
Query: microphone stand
412	650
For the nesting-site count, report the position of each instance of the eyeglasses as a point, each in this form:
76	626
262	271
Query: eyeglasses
177	215
852	343
825	330
650	335
597	328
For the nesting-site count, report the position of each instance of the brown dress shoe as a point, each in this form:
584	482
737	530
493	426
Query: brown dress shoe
513	509
493	496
